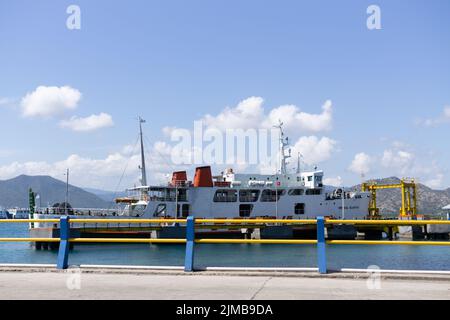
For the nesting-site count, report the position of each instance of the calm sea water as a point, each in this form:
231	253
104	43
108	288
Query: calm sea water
227	255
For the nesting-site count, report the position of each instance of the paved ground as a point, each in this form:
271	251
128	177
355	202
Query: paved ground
54	285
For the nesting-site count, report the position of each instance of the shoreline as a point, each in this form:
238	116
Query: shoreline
345	273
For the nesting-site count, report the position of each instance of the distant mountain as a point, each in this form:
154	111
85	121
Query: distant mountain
14	193
429	201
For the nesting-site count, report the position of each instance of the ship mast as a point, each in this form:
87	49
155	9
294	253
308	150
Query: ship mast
298	163
142	166
283	144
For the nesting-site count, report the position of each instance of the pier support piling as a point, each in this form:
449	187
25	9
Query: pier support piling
64	245
190	243
321	246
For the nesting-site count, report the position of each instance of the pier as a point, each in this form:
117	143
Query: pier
114	283
64	280
66	238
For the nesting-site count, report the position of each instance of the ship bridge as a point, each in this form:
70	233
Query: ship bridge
311	179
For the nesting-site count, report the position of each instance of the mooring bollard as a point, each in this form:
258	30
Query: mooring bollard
321	246
64	246
190	243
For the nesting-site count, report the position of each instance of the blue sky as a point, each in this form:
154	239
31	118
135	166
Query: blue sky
173	62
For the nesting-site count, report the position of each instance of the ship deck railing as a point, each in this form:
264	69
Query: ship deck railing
190	241
79	211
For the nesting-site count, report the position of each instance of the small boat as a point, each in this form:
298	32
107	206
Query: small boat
4	214
18	213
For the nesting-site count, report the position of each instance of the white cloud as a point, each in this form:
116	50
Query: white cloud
50	101
103	173
447	112
129	149
398	159
250	114
168	131
335	182
90	123
84	171
402	162
431	122
361	164
436	182
294	119
315	150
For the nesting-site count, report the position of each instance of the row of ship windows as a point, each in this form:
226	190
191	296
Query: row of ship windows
310	178
231	195
245	210
227	195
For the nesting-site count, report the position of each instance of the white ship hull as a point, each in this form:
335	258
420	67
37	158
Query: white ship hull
200	203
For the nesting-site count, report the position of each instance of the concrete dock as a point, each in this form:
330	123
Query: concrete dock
46	283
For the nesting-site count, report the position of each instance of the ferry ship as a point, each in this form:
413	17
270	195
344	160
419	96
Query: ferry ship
229	195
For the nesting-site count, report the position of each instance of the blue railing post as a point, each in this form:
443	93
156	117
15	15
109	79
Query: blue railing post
190	243
321	246
64	245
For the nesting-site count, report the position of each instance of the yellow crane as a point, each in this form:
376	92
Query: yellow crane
409	197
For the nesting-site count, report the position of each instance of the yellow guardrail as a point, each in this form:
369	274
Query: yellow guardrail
389	222
190	240
230	241
267	221
254	221
130	221
30	240
250	241
29	220
127	240
394	242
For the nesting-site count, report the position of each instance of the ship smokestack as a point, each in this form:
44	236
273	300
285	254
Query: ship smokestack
203	177
179	177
